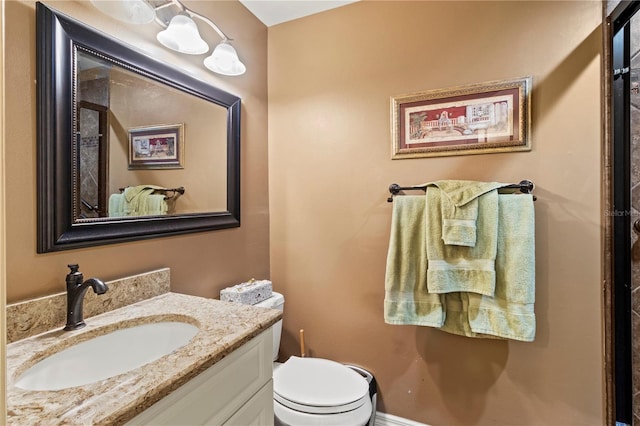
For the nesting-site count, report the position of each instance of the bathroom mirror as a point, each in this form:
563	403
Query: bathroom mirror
128	147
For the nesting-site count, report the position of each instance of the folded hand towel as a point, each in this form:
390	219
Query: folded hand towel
453	268
458	223
459	206
406	298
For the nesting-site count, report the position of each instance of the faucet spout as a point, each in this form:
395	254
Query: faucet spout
98	286
76	289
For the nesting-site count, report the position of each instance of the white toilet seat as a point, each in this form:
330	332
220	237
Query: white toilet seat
319	386
319	392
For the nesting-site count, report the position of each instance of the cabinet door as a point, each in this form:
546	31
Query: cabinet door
258	411
216	394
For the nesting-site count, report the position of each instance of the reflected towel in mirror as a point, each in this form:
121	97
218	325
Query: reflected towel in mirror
138	201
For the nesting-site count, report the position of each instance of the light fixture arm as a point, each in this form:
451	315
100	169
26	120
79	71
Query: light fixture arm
210	22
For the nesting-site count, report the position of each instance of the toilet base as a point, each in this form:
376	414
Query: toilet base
285	416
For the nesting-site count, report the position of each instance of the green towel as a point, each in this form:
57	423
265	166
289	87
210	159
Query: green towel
136	197
459	206
116	205
456	306
406	298
154	205
453	268
458	223
510	313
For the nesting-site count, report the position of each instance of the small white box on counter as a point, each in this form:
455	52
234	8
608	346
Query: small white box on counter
249	293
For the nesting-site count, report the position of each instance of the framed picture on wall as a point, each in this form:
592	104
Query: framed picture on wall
156	147
475	119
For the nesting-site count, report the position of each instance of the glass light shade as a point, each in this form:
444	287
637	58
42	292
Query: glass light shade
131	11
224	60
182	36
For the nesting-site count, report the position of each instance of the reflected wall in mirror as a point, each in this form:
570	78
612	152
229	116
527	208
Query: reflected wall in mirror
94	95
119	101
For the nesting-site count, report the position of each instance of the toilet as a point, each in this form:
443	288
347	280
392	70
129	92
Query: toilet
316	391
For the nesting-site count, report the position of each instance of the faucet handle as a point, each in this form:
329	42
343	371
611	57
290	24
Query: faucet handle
74	277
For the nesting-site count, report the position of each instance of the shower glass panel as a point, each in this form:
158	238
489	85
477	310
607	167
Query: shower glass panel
92	160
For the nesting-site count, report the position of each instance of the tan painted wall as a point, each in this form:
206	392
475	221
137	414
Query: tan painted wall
330	79
201	263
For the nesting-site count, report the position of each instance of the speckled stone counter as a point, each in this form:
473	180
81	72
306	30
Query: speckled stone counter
224	327
35	316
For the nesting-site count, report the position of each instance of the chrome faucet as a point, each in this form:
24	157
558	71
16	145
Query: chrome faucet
76	289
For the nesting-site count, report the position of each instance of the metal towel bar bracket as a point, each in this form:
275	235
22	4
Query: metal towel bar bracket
525	186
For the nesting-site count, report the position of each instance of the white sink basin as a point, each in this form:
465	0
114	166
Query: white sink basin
106	356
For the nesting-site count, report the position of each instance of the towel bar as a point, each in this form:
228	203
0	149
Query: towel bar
180	190
525	186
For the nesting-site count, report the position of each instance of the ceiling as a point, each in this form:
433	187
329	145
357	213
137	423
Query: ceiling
273	12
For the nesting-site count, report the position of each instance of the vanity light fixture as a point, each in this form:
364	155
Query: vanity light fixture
131	11
182	36
224	60
180	32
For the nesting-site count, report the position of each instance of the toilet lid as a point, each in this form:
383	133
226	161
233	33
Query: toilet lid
315	385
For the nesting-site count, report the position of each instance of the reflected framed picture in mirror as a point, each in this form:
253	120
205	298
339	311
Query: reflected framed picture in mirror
156	147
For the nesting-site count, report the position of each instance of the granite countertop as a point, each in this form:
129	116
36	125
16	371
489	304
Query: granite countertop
224	327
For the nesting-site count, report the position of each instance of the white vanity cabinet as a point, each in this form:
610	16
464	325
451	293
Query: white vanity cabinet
237	390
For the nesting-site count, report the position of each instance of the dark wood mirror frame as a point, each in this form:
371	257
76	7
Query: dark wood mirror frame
58	39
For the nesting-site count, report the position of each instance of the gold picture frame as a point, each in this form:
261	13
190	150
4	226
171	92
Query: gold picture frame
481	118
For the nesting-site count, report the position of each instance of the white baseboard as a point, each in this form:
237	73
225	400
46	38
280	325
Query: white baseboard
384	419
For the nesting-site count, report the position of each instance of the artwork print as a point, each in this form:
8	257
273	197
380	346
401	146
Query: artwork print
476	119
156	147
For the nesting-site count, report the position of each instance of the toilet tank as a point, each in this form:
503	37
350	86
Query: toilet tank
276	301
